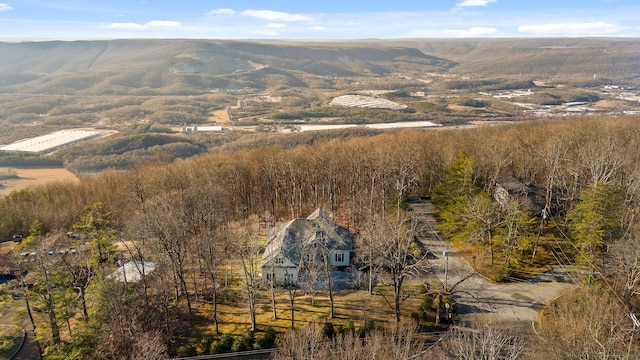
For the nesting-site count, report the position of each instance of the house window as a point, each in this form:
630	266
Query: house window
315	245
279	260
268	277
340	257
309	257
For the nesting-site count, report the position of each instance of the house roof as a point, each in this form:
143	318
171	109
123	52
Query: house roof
517	187
132	271
290	239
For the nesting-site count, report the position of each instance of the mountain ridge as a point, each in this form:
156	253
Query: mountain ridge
199	65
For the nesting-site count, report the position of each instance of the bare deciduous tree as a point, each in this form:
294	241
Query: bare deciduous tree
308	343
303	343
398	254
483	339
165	222
588	324
246	244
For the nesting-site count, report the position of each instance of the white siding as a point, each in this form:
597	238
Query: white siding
282	274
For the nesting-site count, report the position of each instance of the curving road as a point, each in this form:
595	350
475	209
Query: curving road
475	294
29	349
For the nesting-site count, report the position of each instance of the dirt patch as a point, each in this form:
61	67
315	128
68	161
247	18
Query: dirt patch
6	256
219	117
32	177
461	108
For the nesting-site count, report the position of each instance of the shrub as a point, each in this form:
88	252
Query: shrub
368	325
221	346
424	309
205	343
348	327
328	330
244	343
267	340
417	316
191	350
505	273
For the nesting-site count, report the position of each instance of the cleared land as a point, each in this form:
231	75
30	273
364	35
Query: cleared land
50	141
366	102
33	177
220	117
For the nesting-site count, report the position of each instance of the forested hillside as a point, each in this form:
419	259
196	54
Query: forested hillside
143	67
573	61
203	212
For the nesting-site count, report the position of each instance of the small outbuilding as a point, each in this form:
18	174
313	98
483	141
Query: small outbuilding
132	271
531	196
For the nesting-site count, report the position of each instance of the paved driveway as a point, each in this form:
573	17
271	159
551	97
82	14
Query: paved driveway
476	295
29	349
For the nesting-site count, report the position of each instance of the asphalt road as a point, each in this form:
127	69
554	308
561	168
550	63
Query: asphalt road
29	349
521	301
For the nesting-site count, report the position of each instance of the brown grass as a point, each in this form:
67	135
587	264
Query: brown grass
461	108
32	177
481	260
219	117
354	305
6	255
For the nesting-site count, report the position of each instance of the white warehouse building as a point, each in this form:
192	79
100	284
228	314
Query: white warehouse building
50	142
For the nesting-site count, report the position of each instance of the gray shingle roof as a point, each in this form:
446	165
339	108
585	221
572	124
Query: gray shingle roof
290	239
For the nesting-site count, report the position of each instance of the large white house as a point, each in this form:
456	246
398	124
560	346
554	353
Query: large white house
301	242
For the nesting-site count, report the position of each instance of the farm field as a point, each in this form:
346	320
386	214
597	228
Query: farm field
32	177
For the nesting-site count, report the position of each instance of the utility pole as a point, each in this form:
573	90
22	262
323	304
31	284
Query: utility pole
446	268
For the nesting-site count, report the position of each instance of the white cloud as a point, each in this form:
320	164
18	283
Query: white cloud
572	29
317	28
275	15
226	11
125	26
154	24
5	7
472	32
263	32
164	23
275	26
473	3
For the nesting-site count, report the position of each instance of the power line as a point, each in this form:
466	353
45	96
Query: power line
604	279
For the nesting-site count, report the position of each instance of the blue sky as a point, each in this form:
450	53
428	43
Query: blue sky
327	19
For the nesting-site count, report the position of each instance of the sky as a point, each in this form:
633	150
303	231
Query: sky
326	19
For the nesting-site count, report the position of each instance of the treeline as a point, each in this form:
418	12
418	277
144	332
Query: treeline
21	159
572	155
125	151
346	114
202	212
167	153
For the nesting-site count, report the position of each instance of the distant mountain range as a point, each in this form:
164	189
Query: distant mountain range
617	59
194	66
197	66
